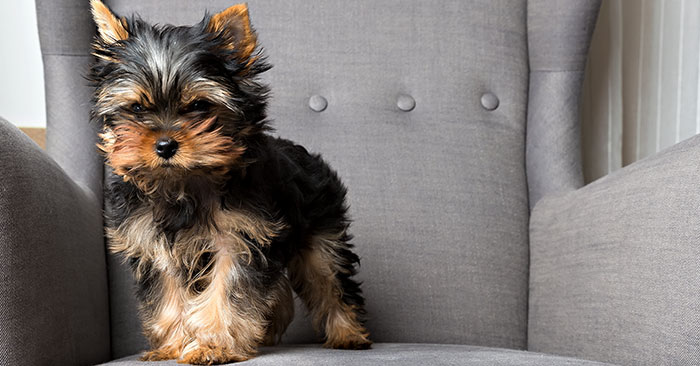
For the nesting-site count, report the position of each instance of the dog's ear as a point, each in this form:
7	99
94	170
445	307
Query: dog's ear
233	25
110	28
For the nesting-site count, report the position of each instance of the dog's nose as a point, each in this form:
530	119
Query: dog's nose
166	147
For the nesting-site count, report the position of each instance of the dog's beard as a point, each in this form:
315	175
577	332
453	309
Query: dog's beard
204	154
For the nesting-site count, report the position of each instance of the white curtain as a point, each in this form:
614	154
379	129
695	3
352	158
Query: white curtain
642	89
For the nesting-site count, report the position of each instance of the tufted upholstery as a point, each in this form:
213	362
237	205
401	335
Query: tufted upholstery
423	109
422	252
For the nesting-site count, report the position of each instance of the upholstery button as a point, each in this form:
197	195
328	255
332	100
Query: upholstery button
318	103
489	101
405	102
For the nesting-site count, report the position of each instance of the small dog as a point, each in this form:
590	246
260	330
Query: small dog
217	219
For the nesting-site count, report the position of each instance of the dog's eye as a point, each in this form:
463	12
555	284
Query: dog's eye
137	108
199	106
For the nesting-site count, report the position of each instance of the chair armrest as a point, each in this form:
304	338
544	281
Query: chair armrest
53	281
615	265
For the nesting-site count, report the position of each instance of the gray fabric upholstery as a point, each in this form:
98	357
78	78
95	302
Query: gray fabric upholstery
559	33
553	133
65	32
614	265
438	194
65	27
53	283
386	354
126	331
437	186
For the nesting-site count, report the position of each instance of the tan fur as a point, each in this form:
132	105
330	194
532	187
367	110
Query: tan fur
129	149
139	237
110	28
160	354
203	327
215	324
313	273
207	90
167	327
234	23
343	330
281	301
123	94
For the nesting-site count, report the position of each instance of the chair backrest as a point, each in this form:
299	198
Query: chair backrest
427	108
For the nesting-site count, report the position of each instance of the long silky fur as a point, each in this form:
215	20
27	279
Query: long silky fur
211	233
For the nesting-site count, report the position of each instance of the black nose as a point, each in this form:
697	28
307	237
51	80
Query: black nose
166	147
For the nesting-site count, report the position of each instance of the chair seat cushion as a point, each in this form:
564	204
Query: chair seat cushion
404	354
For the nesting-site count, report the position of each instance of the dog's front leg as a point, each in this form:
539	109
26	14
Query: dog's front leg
223	324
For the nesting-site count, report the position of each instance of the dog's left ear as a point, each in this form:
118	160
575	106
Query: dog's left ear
110	28
234	26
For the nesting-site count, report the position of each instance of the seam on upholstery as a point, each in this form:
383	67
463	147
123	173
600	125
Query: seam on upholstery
527	182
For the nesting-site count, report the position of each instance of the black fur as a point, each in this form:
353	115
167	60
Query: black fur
278	180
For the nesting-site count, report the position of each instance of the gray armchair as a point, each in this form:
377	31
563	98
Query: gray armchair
454	124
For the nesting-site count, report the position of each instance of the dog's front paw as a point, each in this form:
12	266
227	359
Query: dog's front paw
212	356
160	354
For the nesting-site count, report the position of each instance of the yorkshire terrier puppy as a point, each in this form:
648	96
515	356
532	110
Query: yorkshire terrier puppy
217	219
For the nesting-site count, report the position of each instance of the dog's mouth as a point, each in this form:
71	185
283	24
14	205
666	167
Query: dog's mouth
167	165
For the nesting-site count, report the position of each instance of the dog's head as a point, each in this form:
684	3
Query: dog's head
176	102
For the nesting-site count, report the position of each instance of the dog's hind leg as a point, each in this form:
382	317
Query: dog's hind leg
281	301
321	274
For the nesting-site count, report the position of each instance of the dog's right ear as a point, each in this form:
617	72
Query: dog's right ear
110	28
